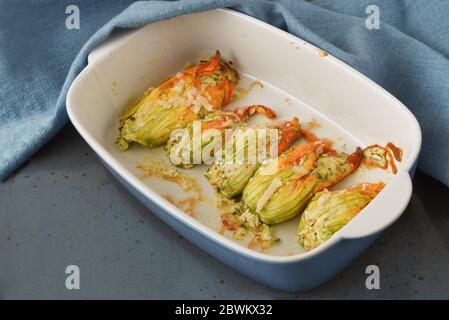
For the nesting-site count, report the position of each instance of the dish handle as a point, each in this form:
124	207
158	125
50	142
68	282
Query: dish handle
383	211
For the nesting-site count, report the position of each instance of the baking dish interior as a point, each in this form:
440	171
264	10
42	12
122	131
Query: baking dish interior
298	80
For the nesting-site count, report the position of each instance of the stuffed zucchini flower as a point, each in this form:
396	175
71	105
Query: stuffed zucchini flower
329	211
187	96
281	190
199	140
230	178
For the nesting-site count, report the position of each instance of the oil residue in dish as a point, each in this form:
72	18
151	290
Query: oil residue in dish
168	172
322	53
187	205
313	124
240	93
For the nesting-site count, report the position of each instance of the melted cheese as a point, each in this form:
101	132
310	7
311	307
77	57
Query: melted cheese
274	186
300	170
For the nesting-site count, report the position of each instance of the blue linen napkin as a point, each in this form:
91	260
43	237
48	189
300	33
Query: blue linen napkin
40	57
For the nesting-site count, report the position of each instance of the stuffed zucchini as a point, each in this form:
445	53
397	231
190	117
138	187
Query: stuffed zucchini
329	211
197	142
187	96
230	179
281	189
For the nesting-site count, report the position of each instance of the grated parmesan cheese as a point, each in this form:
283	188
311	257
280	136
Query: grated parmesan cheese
300	170
274	186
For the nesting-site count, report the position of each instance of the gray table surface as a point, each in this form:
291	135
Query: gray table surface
64	208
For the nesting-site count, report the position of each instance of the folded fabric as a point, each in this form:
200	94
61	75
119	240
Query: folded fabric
40	57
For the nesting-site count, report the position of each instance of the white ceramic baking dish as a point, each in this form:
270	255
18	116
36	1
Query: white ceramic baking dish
299	80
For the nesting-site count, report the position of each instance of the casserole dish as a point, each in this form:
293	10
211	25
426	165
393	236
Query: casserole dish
298	80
